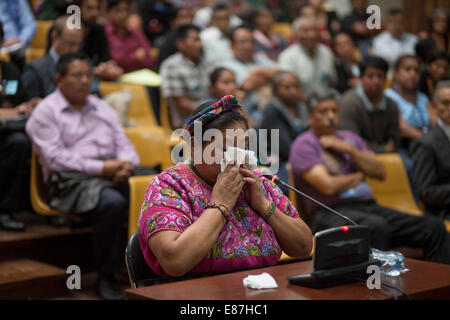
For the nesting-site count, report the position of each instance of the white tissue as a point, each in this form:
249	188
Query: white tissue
239	156
261	281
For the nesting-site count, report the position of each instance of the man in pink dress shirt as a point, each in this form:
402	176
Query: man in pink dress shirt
73	131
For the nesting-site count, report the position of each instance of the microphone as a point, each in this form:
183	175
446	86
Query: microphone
274	178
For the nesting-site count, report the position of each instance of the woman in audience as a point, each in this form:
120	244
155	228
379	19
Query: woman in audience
129	48
412	104
287	113
267	43
347	58
437	69
197	220
438	34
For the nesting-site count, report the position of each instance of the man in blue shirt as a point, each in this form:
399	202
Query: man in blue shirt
19	28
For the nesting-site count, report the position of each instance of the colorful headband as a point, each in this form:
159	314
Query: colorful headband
206	116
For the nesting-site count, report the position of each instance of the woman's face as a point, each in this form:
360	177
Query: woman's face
264	20
440	25
288	90
225	84
408	74
235	135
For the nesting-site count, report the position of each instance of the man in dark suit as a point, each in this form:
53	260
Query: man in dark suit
39	75
431	154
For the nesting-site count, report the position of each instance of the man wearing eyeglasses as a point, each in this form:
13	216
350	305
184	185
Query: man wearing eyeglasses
39	75
86	160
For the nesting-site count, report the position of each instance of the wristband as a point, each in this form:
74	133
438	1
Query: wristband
271	211
220	207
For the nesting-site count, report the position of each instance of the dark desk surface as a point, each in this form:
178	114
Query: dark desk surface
424	280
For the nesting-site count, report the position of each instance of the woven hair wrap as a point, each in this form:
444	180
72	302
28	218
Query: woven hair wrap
204	117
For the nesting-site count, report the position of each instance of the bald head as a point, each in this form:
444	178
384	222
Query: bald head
66	40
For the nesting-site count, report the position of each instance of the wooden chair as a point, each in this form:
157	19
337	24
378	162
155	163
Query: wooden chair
141	110
34	54
164	114
40	37
152	146
138	185
395	191
38	192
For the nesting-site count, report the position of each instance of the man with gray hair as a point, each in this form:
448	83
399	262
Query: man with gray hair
331	166
431	154
312	62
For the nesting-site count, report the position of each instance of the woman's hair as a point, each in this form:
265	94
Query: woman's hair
223	120
434	15
277	78
215	75
400	60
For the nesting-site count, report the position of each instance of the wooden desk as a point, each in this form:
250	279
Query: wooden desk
425	280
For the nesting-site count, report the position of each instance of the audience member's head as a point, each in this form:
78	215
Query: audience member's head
118	12
439	21
442	101
64	39
407	73
74	77
323	111
221	17
306	10
373	76
316	4
90	10
188	42
438	66
222	82
395	23
359	5
286	87
183	15
344	47
262	19
307	32
243	43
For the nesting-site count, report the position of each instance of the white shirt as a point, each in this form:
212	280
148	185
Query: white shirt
216	46
390	48
313	71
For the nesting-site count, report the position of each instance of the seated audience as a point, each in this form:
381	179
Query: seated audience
86	160
156	16
185	75
430	154
328	22
183	15
253	74
95	42
130	49
330	165
355	24
346	62
19	28
267	43
15	147
437	69
288	114
216	44
394	42
438	33
366	111
312	62
412	104
197	220
39	75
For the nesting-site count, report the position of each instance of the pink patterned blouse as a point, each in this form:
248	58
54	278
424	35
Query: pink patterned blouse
176	198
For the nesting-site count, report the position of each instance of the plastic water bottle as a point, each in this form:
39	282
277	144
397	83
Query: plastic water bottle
393	263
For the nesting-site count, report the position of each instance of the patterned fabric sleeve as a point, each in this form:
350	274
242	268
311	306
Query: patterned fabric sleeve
274	193
164	208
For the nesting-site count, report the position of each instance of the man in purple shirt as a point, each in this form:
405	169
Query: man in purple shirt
330	165
76	133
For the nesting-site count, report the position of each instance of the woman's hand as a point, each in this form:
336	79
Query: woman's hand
253	191
228	187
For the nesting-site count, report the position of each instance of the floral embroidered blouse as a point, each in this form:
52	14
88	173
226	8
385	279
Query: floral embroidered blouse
176	198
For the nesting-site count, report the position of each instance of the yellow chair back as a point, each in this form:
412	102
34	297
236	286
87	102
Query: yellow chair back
284	29
395	191
138	185
40	37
